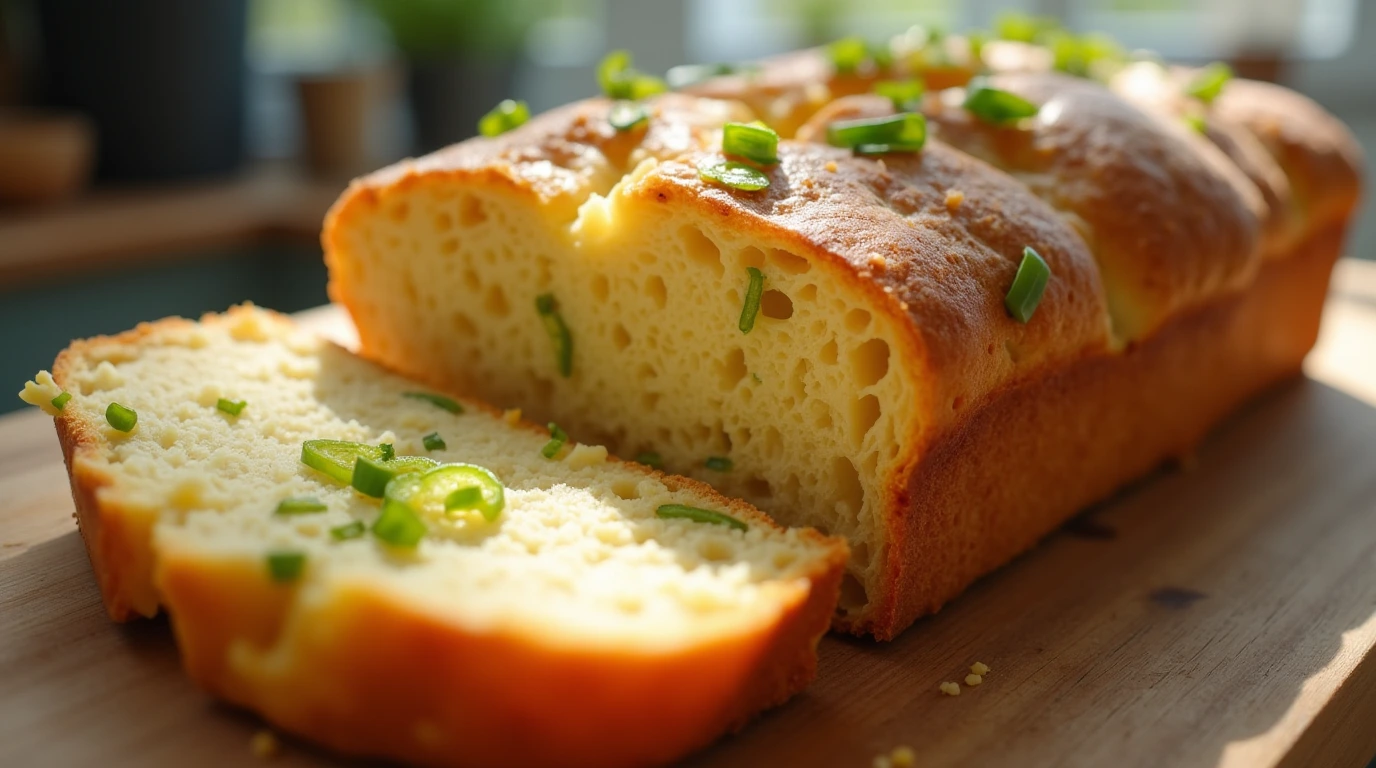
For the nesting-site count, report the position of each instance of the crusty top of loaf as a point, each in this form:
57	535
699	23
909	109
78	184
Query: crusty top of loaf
936	237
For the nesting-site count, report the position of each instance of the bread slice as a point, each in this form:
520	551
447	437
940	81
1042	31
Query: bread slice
579	628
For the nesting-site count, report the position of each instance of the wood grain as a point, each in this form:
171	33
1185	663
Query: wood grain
1220	615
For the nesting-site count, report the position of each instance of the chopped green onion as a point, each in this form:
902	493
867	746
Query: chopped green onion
336	458
977	38
626	115
60	401
449	487
685	75
734	175
505	116
719	464
371	476
848	54
1028	286
906	95
388	452
752	141
1023	28
463	498
557	438
447	403
558	332
349	531
399	525
882	55
996	106
1209	82
1077	55
905	132
752	299
433	442
619	80
286	567
300	505
121	418
231	407
685	512
650	459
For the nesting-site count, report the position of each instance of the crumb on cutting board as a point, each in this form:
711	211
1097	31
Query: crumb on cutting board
265	745
950	689
979	668
973	680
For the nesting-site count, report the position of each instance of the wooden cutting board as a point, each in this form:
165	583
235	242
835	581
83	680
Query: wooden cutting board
1220	615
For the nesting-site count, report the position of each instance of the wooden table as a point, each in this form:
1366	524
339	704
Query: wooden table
1224	615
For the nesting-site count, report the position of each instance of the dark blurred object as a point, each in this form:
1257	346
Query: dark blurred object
44	158
335	111
163	80
462	56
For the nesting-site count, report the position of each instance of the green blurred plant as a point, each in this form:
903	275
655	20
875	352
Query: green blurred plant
424	29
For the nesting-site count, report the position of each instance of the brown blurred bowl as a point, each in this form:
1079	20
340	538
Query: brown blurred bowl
44	158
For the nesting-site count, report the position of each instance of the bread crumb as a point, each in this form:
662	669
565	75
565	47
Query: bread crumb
973	680
903	757
954	198
831	166
512	416
979	668
586	456
878	263
950	689
265	745
40	391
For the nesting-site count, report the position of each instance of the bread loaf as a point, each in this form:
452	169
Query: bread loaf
885	393
578	627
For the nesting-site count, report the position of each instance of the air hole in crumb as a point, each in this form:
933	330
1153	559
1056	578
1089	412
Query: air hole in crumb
759	488
788	262
700	248
659	292
408	286
731	370
471	281
864	413
462	325
625	489
716	551
449	246
957	403
857	320
496	303
807	293
828	353
400	212
870	362
650	400
544	389
752	257
471	211
600	287
773	442
776	305
797	382
853	595
443	222
848	488
645	372
621	338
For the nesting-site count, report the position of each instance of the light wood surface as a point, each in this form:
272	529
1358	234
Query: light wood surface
1220	615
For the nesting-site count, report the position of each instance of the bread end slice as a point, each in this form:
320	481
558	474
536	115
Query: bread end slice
578	629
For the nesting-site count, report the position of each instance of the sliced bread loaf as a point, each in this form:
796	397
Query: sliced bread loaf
576	621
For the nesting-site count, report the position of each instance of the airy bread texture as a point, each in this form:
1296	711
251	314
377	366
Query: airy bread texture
577	629
884	393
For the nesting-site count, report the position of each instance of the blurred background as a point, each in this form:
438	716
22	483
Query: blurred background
166	157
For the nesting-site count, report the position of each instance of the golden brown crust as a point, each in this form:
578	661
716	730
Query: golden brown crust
1029	456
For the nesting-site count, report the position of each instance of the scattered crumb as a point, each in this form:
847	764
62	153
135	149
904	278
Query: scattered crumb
979	668
831	166
586	456
265	745
903	305
954	198
888	289
512	416
882	165
973	680
903	757
950	689
878	263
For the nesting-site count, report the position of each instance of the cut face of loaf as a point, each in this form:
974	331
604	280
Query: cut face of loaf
882	315
577	628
